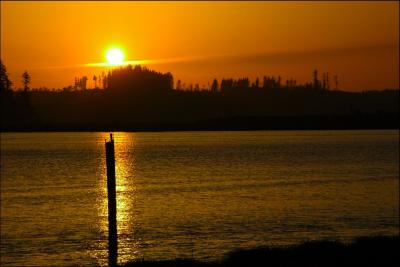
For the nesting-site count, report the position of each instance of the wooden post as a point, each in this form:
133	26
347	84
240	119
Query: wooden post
112	204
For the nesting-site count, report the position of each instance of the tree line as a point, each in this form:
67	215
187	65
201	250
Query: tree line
133	96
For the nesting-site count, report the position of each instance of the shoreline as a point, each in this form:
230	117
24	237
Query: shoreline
362	251
237	123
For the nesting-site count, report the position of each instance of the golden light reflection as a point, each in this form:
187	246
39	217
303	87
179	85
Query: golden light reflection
126	195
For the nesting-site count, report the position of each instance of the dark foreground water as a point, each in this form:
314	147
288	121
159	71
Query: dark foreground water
200	194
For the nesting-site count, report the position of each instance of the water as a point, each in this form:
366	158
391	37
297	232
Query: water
192	194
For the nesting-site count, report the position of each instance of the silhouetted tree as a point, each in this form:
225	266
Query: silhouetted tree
265	82
242	83
95	81
76	83
99	81
179	85
105	79
138	79
84	82
26	79
316	82
226	85
7	97
315	77
335	78
257	83
4	80
271	82
327	81
214	86
24	102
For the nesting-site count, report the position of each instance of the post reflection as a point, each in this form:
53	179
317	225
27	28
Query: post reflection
126	195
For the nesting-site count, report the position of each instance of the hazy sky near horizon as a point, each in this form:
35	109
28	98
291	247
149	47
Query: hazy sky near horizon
199	41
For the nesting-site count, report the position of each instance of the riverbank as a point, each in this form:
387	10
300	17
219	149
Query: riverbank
240	123
363	251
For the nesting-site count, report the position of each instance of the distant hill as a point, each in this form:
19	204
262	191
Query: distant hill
139	99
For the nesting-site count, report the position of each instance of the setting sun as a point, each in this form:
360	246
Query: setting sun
115	56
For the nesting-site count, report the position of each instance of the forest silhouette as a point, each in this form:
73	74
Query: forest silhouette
135	98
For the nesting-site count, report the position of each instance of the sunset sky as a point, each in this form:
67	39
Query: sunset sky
199	41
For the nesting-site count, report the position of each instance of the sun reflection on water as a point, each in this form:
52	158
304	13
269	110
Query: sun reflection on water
126	195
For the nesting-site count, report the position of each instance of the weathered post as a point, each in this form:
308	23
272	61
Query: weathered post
112	204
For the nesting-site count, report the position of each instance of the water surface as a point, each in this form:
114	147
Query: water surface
192	194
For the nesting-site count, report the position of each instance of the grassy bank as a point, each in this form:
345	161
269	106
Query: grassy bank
364	251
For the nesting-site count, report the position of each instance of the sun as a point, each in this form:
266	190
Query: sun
115	56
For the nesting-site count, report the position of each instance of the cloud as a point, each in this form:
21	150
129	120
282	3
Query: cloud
263	58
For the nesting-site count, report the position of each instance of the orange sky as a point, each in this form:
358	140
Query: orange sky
199	41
